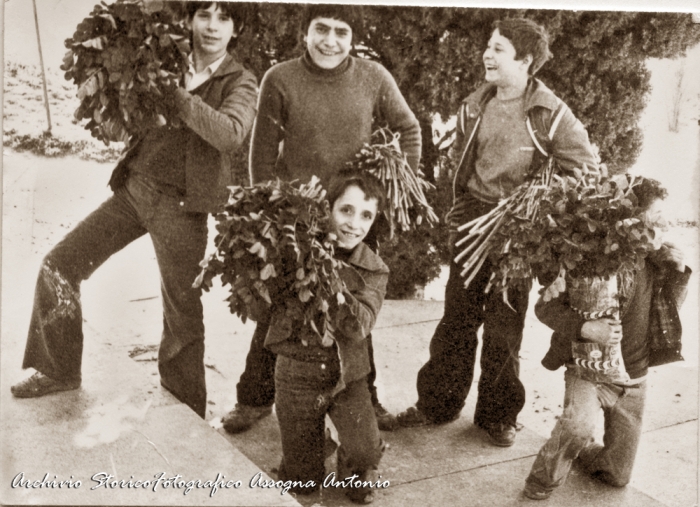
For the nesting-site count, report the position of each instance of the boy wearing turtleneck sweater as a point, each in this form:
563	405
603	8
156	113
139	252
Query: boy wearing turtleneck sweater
314	114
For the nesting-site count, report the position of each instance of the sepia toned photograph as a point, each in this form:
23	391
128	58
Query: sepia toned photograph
327	254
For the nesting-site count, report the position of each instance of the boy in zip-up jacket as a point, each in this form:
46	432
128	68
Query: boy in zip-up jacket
622	402
506	129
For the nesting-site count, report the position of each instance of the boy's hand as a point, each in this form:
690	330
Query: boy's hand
328	336
606	331
672	254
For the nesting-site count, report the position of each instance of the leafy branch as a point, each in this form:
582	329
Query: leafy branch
127	59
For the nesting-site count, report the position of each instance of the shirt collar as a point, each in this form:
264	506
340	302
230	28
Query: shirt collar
209	70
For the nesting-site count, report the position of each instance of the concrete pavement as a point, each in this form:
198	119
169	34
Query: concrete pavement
122	423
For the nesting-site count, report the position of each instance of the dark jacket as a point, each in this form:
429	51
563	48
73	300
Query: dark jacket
637	316
553	127
366	279
218	116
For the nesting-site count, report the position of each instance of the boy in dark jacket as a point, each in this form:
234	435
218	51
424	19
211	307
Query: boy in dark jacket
622	402
164	186
314	115
315	377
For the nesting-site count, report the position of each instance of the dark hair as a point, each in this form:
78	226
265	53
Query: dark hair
369	184
351	14
528	38
238	12
647	191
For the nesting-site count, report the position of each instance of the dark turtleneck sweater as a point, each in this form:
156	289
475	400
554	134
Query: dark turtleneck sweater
324	116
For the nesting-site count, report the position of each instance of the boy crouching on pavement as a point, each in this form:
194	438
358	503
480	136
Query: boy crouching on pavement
315	377
663	276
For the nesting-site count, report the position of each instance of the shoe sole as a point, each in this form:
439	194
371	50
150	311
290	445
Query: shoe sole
501	444
32	394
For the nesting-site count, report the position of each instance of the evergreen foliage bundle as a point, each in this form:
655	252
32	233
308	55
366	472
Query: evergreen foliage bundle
126	58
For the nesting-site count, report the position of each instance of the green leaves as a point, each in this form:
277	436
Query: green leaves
273	251
592	226
126	59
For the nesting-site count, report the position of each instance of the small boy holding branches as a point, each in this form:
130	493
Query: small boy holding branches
315	377
648	308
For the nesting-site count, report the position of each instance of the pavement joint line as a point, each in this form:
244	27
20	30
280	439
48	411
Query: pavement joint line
408	323
670	425
454	472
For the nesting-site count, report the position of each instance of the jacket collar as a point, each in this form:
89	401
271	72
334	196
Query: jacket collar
536	95
363	257
228	66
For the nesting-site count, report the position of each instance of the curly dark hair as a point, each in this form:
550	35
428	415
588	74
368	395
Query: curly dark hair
351	14
238	12
528	38
646	190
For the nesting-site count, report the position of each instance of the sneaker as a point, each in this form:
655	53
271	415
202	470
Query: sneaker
39	385
242	417
500	434
412	417
534	492
385	420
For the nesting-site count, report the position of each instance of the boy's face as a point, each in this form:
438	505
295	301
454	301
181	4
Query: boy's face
329	41
653	217
502	68
211	31
352	216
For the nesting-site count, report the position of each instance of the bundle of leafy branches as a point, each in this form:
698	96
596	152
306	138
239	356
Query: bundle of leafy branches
490	233
127	59
587	226
405	190
273	249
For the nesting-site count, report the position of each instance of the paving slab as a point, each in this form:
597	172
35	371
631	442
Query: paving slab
500	484
120	423
667	465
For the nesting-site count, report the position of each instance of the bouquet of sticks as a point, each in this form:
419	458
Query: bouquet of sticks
273	249
405	189
487	235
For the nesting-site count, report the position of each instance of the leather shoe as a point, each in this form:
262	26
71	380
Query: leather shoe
412	417
242	417
39	385
385	420
500	434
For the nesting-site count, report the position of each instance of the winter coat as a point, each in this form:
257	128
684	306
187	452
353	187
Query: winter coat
366	278
219	115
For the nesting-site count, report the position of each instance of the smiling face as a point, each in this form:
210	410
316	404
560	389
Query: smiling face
328	41
502	69
352	216
212	30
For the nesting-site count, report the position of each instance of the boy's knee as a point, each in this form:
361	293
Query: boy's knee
358	459
611	479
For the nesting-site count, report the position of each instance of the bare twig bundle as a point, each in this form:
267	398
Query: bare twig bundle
521	204
405	190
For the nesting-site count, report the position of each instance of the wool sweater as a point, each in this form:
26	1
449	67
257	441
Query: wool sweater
634	315
569	144
312	121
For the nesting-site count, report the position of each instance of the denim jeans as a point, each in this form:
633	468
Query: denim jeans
444	381
55	339
572	436
302	401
